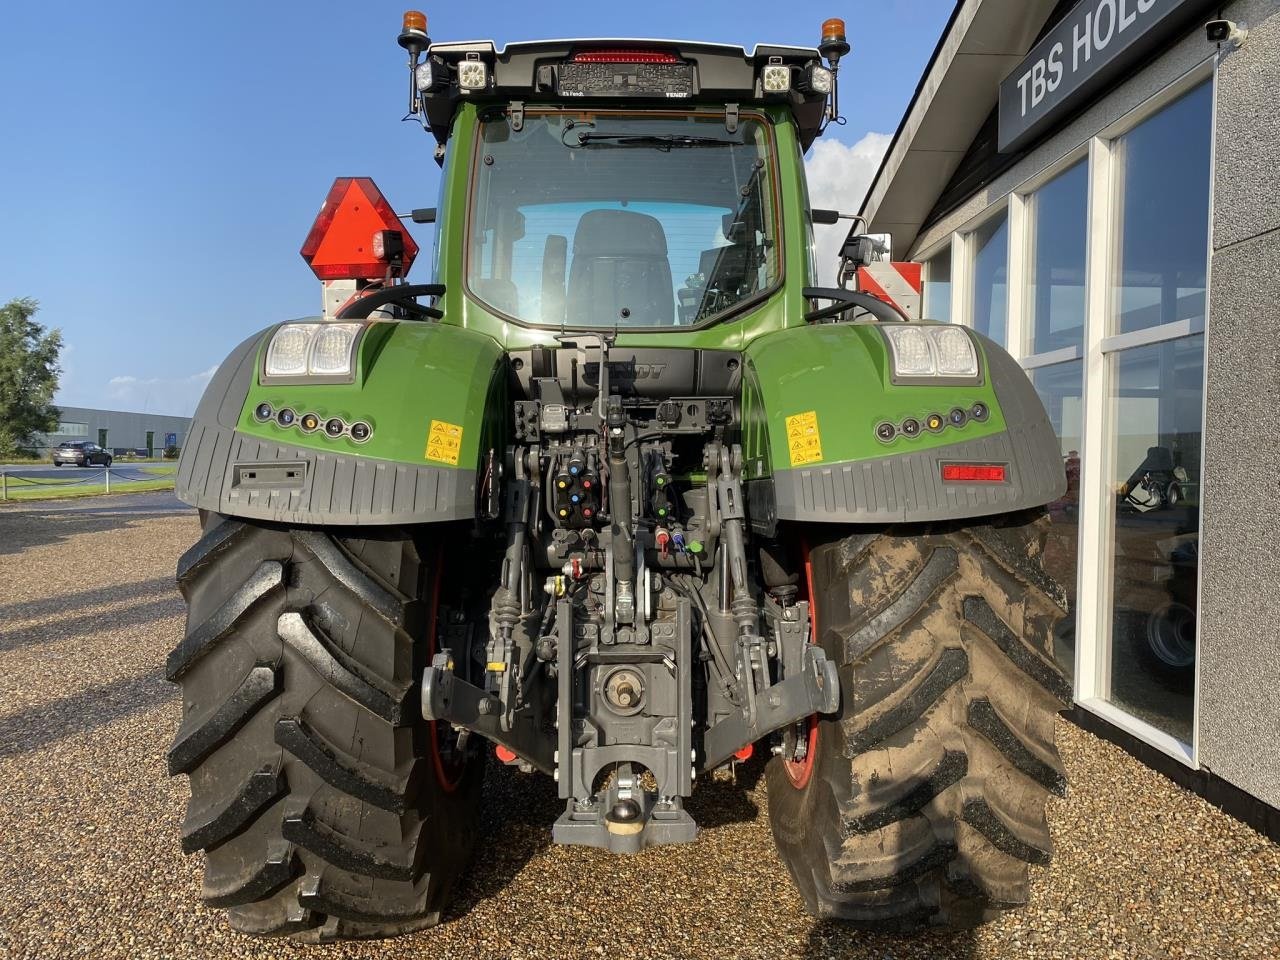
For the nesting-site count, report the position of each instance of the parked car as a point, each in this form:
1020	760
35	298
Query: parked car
80	453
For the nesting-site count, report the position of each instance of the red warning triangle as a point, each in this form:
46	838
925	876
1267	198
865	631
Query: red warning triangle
340	244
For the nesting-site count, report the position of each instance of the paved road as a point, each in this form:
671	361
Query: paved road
124	471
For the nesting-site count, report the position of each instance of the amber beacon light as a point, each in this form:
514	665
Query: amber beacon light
415	22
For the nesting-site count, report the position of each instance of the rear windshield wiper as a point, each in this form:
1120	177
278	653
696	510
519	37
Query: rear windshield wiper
665	141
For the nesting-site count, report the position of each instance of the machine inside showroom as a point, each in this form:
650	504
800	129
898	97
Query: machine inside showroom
624	495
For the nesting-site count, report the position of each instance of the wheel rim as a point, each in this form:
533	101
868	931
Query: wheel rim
800	771
449	769
1171	632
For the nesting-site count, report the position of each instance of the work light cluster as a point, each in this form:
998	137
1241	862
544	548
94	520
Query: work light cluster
931	351
325	349
334	428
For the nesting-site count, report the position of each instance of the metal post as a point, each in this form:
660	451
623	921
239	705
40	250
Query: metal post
107	471
4	485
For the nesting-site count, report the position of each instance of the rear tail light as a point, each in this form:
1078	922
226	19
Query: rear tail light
974	473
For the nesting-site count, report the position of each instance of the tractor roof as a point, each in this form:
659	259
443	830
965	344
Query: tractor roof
641	73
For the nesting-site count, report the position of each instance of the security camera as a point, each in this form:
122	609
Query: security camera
1225	31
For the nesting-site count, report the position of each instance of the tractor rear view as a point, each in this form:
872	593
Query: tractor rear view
621	496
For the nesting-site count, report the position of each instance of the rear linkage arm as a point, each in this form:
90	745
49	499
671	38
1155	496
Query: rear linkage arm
809	683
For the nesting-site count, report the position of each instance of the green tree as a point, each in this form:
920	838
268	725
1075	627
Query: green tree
28	375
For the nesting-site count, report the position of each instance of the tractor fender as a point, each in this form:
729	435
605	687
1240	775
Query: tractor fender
816	400
431	395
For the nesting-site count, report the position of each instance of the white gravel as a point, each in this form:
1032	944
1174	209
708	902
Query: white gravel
90	865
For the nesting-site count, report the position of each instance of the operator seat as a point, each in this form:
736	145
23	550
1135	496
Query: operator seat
620	264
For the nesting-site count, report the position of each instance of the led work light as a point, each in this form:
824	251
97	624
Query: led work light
776	78
313	350
472	75
919	351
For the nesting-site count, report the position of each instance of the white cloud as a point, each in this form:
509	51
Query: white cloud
174	396
838	178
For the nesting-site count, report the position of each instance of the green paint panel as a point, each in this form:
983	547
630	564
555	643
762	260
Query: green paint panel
840	373
409	373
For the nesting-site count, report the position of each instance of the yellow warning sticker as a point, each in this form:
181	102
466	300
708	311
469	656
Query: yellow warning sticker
804	440
444	441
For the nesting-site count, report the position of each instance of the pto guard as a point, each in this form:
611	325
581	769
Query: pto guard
415	383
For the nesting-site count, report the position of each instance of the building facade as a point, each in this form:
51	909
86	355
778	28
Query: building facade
1096	186
117	430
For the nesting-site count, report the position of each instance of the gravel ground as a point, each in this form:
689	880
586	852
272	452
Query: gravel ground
90	865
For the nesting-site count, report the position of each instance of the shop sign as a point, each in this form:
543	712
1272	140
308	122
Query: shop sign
1089	48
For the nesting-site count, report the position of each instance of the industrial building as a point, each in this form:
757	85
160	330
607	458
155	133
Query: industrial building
1096	186
117	430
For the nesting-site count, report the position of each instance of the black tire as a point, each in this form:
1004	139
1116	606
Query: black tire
924	800
322	800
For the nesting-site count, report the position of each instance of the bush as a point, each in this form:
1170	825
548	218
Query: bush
171	453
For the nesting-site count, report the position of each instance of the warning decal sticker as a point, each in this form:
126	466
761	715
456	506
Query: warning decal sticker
804	441
444	440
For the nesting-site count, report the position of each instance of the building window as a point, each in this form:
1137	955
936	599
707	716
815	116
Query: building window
990	250
1155	418
1162	199
1155	412
68	428
937	287
1061	389
1054	295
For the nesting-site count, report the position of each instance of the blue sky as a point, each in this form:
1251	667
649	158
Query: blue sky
163	162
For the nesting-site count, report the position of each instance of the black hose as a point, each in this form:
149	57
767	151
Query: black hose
402	294
847	300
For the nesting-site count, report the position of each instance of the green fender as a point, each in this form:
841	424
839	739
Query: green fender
813	398
432	394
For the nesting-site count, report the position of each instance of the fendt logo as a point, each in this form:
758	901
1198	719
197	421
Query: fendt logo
624	370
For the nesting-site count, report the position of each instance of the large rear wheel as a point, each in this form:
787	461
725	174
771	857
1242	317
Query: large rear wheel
326	807
923	802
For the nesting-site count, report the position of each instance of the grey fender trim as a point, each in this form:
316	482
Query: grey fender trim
909	487
334	489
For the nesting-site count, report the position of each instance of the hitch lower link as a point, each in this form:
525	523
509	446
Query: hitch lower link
447	698
815	688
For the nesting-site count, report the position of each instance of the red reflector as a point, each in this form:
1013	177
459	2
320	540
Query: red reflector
973	472
503	754
745	753
340	245
625	56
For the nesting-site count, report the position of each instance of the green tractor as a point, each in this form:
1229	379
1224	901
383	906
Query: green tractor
622	495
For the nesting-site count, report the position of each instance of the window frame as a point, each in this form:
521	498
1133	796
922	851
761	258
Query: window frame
1095	585
736	311
1022	239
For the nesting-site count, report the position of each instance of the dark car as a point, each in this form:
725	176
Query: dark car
80	453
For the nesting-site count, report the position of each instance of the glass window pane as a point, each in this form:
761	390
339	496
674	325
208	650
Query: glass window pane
1155	421
1061	390
937	287
990	277
1162	184
1055	285
600	223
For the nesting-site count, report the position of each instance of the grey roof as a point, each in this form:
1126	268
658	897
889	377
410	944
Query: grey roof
982	43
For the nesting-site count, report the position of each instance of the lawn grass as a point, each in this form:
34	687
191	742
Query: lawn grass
61	489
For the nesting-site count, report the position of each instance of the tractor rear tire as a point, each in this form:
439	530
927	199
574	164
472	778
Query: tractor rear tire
923	802
326	806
